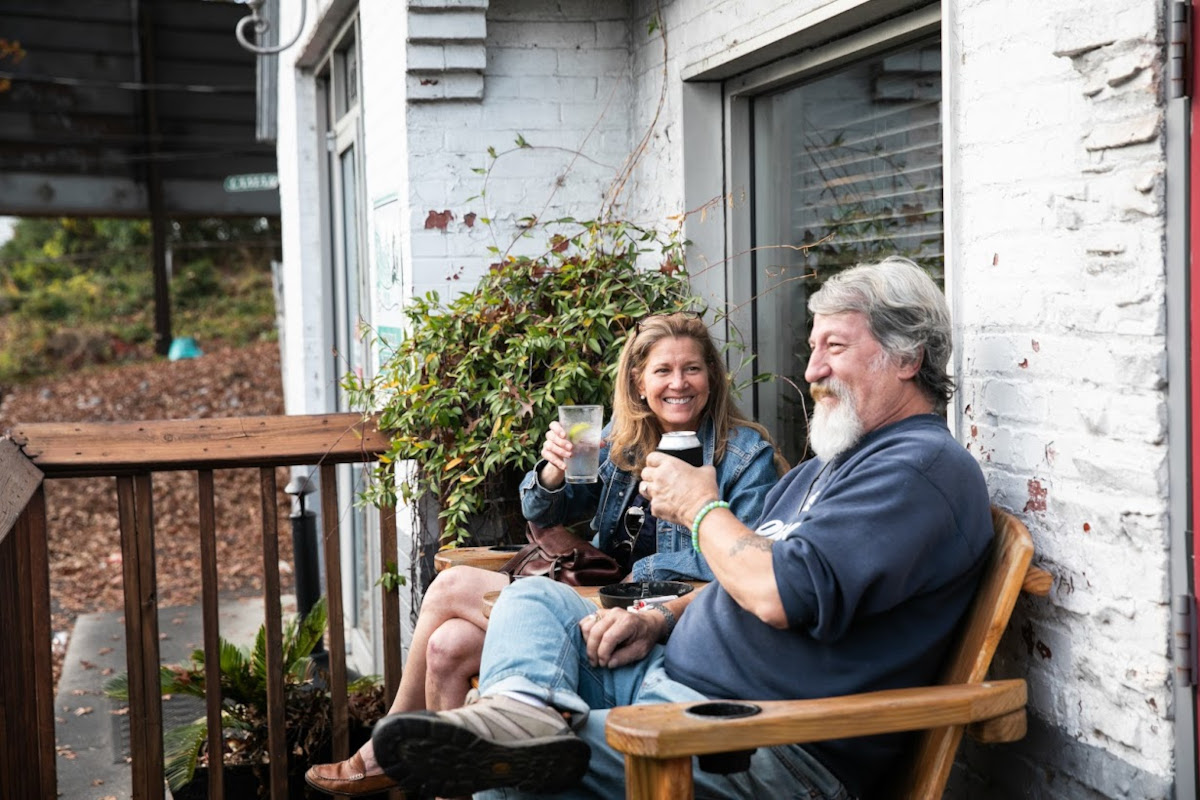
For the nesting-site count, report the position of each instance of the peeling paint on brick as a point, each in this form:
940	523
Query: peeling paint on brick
1124	133
1037	496
438	219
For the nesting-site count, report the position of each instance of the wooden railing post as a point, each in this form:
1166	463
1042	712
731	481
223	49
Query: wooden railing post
27	763
136	513
27	760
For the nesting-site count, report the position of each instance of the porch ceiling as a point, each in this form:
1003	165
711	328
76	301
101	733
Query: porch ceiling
125	107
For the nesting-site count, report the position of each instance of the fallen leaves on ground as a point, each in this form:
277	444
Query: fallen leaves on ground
84	541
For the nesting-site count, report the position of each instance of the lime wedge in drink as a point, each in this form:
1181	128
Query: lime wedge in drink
577	430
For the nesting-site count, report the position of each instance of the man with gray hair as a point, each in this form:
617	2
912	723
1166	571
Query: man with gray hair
854	578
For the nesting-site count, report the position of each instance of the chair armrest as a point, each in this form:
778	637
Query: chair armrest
668	730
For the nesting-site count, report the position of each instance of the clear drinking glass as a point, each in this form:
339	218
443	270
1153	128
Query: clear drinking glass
582	425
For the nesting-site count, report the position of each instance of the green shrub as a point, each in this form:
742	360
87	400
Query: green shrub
195	284
470	391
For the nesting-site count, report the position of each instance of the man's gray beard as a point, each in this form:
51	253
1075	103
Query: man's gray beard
835	430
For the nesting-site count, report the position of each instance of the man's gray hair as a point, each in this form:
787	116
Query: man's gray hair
907	315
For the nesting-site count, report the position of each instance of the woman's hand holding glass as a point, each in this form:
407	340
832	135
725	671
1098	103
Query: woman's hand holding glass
555	452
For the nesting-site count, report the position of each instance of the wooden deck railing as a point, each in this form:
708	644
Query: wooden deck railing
131	454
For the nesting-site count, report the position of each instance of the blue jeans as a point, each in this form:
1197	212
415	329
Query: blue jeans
534	646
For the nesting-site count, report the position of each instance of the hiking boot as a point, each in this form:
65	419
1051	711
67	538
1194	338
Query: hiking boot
491	743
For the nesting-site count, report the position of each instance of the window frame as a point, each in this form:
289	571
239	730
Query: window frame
728	107
340	131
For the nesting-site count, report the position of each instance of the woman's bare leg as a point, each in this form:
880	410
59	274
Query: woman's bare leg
452	660
456	594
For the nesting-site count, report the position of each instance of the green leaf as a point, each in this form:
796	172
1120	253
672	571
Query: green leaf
181	749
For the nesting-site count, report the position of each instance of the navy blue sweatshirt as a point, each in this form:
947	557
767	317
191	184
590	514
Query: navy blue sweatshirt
876	557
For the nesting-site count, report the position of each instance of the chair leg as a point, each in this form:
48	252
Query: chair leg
658	779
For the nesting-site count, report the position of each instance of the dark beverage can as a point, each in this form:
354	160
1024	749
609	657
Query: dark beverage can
684	445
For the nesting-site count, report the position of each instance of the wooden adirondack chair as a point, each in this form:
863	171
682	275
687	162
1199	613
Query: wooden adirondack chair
659	740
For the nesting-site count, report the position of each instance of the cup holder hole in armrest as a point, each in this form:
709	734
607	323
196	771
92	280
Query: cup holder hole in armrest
722	709
734	761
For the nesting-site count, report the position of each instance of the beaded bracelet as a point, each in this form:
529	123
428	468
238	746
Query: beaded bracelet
700	515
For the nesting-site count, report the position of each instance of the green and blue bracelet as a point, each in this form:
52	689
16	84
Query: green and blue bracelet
700	515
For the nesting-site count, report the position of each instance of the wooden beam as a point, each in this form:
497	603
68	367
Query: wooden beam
19	479
79	449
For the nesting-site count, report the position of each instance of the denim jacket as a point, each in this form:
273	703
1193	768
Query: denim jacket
744	476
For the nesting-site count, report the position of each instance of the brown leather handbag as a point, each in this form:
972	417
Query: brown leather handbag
558	554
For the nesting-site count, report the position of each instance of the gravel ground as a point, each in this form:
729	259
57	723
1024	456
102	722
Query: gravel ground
85	551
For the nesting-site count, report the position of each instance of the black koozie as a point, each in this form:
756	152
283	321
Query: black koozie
684	445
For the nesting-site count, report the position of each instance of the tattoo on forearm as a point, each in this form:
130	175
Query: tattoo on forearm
754	541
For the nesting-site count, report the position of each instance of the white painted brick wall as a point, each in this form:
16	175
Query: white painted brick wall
1059	197
557	76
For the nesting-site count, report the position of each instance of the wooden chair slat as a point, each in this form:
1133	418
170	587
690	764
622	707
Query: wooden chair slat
1012	552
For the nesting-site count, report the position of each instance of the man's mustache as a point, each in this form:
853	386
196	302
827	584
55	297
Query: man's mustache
830	387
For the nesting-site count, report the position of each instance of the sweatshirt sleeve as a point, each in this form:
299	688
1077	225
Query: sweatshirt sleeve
874	538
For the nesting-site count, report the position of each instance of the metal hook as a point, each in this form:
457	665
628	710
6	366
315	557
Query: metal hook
261	26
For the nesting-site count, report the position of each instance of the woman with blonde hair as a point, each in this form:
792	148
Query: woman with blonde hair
670	377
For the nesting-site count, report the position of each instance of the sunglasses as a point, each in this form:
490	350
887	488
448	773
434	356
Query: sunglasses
635	517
